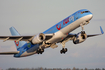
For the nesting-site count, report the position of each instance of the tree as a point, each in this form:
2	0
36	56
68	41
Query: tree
74	68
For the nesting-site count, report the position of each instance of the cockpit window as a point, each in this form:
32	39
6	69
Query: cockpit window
84	12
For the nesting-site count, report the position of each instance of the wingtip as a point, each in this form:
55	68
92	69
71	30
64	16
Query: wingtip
102	32
11	27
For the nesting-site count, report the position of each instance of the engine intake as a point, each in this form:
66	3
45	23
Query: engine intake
80	37
38	38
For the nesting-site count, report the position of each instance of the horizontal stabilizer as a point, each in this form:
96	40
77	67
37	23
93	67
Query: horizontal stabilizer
8	53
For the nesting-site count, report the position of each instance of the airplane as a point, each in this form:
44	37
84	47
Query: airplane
59	33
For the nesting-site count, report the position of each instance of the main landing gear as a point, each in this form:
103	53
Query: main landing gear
40	51
64	50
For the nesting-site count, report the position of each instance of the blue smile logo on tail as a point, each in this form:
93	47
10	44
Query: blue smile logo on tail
14	32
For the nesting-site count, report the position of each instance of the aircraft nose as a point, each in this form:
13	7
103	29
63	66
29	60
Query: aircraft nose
90	16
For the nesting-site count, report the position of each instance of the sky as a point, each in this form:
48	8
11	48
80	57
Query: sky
30	17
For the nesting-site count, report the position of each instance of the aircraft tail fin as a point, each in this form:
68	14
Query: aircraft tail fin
14	32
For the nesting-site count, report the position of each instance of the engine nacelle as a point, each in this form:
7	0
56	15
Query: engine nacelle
38	38
80	37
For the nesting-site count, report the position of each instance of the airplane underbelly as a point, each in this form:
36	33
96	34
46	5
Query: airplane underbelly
27	54
57	37
31	51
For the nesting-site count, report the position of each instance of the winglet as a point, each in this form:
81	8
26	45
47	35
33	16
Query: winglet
102	32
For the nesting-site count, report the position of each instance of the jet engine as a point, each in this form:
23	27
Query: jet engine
80	37
38	38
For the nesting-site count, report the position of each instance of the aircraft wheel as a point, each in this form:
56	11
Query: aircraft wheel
64	50
61	52
40	51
